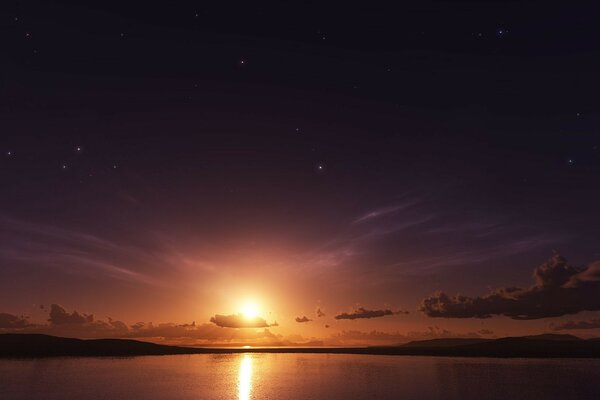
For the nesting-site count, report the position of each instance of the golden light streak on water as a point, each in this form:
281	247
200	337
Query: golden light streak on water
245	378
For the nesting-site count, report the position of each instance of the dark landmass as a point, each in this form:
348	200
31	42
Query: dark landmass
541	346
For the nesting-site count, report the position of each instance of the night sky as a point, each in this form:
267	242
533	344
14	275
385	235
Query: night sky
344	170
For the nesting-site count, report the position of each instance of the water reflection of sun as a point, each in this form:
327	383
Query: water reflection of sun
245	378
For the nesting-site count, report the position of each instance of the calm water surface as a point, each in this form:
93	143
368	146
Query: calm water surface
297	376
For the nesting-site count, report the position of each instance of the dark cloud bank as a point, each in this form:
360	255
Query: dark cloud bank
593	323
364	313
239	321
558	289
9	321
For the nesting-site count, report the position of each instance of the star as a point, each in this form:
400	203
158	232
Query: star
78	149
571	161
64	166
27	35
9	153
242	62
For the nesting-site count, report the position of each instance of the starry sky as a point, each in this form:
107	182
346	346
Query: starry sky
359	173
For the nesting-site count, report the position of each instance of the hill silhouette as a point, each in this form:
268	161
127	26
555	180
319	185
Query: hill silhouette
540	346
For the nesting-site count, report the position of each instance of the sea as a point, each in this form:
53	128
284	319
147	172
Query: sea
247	376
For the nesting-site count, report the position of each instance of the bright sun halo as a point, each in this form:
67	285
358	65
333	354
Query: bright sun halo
250	310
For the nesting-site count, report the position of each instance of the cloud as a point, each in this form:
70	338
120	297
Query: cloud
364	313
9	321
67	250
485	332
558	289
320	313
353	337
303	319
59	315
572	325
80	325
63	323
239	321
380	212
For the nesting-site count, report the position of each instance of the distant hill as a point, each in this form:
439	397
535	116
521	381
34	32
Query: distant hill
554	336
34	345
540	346
447	342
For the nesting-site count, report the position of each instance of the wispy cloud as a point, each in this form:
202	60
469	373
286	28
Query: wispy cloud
75	252
382	212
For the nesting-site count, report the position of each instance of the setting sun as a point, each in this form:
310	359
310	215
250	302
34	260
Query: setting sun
250	310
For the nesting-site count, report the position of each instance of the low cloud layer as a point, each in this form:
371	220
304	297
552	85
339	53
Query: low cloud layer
364	313
558	289
205	334
239	321
593	323
9	321
303	319
352	337
80	325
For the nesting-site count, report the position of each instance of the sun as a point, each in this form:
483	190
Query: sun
250	310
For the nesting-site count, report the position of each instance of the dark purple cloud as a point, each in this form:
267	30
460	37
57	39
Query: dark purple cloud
593	323
364	313
10	321
303	319
558	289
239	321
59	315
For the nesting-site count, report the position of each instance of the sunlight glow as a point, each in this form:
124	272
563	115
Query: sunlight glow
245	378
250	310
